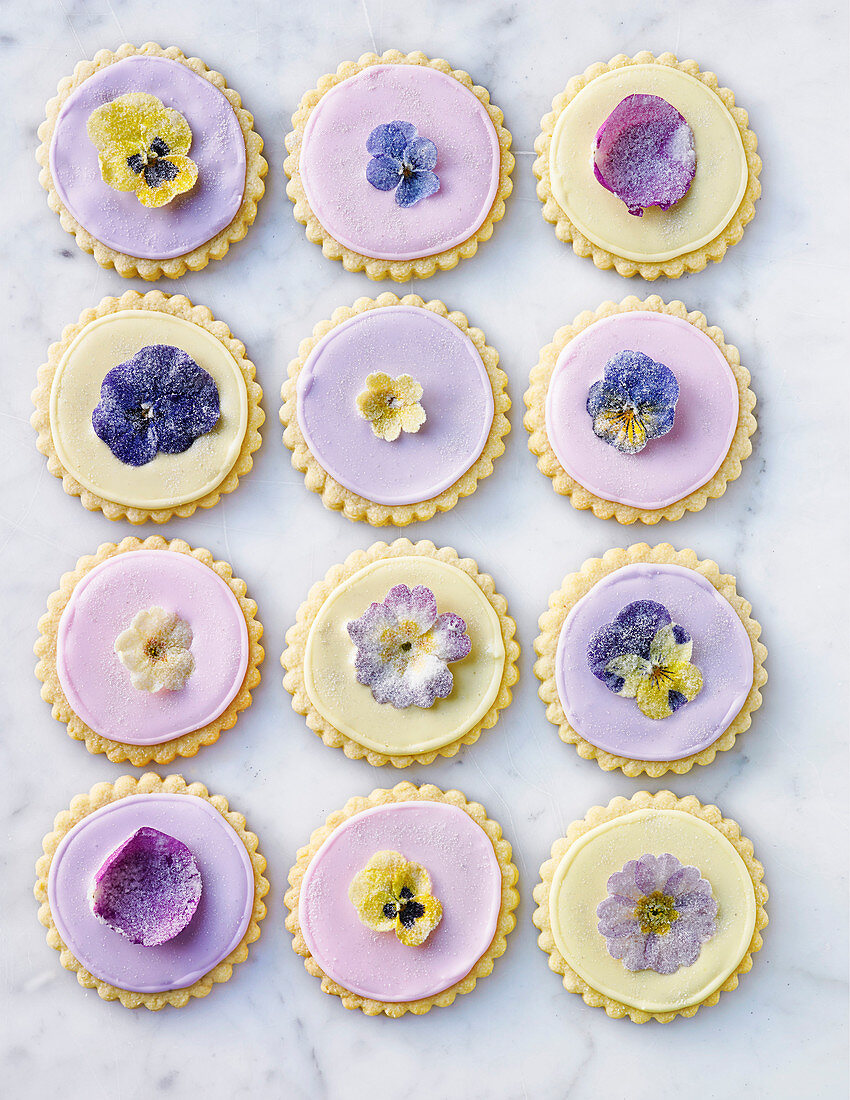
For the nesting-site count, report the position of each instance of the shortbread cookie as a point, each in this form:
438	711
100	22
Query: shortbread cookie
401	654
646	165
651	907
394	409
151	890
398	166
151	161
402	900
649	660
640	411
147	408
149	650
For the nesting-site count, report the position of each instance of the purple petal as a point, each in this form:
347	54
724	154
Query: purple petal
148	889
622	883
391	138
421	155
648	876
384	172
416	187
631	632
452	641
645	153
418	605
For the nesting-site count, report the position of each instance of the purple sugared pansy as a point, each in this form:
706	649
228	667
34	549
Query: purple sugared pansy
402	161
657	915
645	153
404	648
148	889
635	401
160	400
645	656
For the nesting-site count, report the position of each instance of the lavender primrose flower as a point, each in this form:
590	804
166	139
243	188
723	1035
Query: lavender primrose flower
160	400
148	889
402	161
644	153
634	402
644	655
657	915
404	648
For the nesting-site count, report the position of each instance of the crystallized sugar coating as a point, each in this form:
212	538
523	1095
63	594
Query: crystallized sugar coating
148	889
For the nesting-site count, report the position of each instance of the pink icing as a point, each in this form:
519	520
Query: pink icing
721	650
671	467
465	878
333	162
105	602
220	920
117	218
457	399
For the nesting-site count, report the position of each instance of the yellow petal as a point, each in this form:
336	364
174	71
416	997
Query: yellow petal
174	130
371	405
653	698
127	118
407	389
686	678
411	418
414	877
415	934
379	382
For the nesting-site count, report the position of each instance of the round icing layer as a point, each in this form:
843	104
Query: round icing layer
169	479
220	920
105	602
333	162
580	884
349	706
678	463
713	197
118	219
721	651
465	878
457	399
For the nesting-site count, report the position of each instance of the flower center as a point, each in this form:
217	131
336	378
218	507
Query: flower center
152	165
155	647
655	913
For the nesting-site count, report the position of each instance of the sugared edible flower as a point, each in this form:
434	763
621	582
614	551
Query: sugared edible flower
645	154
391	405
142	147
393	894
404	648
155	648
657	915
634	402
402	161
148	889
644	655
160	400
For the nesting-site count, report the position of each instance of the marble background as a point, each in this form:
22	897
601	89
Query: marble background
781	529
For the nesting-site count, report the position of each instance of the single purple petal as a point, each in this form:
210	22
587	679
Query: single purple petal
418	605
622	883
384	172
416	187
148	889
421	155
452	643
391	138
648	875
645	153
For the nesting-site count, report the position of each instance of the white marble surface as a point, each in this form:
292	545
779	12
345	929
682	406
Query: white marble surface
781	529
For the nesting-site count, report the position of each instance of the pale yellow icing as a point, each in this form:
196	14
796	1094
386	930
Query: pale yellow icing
168	479
349	706
579	885
711	201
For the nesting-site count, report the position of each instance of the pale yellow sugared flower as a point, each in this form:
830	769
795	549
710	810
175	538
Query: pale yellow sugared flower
391	405
393	894
155	648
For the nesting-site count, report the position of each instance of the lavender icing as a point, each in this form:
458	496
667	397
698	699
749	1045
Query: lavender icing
457	399
118	219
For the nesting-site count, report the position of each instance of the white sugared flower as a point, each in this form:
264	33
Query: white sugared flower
155	648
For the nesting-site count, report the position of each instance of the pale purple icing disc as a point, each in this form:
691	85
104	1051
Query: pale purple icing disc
668	468
118	219
105	602
721	650
457	399
333	162
465	878
220	920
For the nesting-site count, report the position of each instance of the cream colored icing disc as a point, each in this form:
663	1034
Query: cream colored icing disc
168	480
580	884
349	706
713	197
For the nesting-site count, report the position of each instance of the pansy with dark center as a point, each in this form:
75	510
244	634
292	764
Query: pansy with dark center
393	894
402	161
404	647
160	400
148	889
644	153
644	655
657	914
635	401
